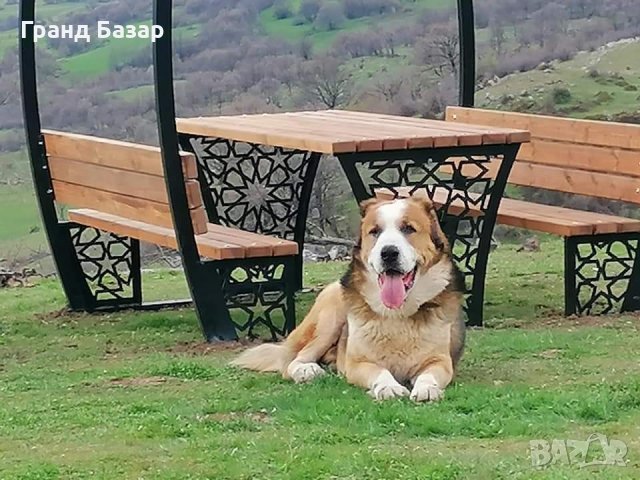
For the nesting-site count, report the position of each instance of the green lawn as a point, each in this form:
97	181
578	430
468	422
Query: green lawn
136	395
293	29
111	54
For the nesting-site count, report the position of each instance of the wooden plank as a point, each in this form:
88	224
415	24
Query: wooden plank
153	234
124	206
605	134
388	140
396	137
582	157
212	127
113	153
365	140
613	187
276	247
135	184
533	216
580	182
420	134
490	135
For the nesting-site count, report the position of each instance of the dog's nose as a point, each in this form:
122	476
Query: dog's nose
390	254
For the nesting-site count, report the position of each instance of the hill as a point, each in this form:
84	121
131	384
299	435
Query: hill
603	84
248	56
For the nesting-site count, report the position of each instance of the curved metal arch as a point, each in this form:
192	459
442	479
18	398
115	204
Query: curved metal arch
58	236
203	278
467	36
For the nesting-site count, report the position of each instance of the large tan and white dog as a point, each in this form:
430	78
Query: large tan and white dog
393	321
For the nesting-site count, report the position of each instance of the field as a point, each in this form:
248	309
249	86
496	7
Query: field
138	396
601	83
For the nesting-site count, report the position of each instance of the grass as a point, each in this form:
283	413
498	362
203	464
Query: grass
612	91
135	395
293	29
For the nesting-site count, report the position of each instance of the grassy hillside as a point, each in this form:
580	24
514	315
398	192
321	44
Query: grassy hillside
295	29
601	83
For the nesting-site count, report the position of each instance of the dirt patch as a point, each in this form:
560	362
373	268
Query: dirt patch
202	348
258	417
138	382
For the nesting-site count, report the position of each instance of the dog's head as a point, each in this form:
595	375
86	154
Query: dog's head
401	243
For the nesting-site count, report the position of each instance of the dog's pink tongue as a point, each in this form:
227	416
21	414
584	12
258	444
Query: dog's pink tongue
392	290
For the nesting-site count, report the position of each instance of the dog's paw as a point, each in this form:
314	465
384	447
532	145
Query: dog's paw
386	389
426	389
427	393
305	372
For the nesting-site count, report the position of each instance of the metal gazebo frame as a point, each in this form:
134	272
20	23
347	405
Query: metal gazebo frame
202	276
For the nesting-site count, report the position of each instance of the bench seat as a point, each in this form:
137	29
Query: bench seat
218	243
565	222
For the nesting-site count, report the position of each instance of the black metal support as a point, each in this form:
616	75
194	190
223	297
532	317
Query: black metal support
257	188
64	257
260	294
466	26
602	273
110	265
463	174
261	289
204	283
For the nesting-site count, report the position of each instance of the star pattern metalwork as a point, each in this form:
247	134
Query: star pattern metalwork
106	260
256	298
253	187
603	271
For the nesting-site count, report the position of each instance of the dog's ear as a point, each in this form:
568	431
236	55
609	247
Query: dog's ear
367	204
437	235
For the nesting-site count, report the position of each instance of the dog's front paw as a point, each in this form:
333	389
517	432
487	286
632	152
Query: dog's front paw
386	390
305	372
427	393
426	389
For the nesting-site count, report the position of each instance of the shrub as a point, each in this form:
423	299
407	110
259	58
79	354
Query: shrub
561	95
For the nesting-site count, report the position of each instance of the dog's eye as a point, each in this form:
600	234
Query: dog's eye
407	229
375	231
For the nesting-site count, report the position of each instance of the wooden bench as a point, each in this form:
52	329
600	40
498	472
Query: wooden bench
119	187
591	158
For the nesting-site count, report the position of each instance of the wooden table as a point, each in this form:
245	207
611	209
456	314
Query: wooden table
257	172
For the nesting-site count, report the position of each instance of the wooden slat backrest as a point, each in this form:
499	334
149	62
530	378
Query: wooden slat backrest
600	159
119	178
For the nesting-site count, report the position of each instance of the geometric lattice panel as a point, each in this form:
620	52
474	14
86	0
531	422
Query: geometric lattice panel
603	271
107	262
463	184
256	299
253	187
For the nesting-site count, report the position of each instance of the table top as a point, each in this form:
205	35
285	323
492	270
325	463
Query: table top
340	131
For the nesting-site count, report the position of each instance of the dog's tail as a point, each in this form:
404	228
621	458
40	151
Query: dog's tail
269	357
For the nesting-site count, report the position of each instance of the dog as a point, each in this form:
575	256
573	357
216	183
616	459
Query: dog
393	321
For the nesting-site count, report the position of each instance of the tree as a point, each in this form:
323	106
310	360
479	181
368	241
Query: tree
309	9
282	9
327	83
439	49
330	16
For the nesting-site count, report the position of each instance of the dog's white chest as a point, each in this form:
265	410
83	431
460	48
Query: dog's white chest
397	344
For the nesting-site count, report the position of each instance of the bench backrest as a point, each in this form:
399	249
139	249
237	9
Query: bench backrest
120	178
597	159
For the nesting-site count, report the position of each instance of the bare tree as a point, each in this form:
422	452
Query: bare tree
327	83
439	49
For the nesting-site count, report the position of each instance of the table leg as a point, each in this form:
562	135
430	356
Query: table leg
256	188
468	175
